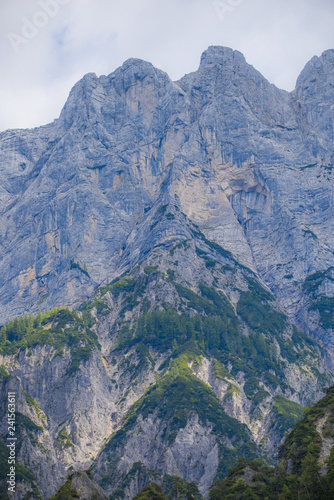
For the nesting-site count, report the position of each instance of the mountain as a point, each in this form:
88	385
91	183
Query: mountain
305	469
248	162
168	250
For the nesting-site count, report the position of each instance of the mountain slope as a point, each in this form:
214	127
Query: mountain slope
179	367
188	227
249	163
305	469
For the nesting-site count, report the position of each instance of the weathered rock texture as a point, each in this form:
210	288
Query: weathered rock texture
212	197
251	164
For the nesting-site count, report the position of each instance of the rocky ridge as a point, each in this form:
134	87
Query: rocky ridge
189	224
305	468
153	379
249	163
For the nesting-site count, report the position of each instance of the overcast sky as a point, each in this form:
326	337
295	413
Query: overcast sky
48	45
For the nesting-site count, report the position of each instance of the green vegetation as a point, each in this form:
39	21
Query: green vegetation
259	315
212	245
284	128
313	281
288	413
255	481
176	396
207	320
139	471
161	213
22	472
58	328
325	306
66	493
298	338
3	372
297	475
120	285
126	289
259	396
24	422
182	244
209	302
173	487
304	441
219	370
258	291
329	168
64	439
150	492
209	262
308	166
150	269
311	233
162	209
34	493
76	265
205	324
170	216
246	481
321	303
216	335
32	402
232	389
271	380
251	387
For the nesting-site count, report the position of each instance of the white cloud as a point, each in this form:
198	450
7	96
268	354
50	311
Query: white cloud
81	36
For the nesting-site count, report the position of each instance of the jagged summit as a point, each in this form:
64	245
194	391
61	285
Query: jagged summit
216	54
222	139
318	69
328	55
189	227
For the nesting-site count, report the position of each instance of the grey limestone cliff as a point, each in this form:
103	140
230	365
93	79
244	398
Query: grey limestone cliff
251	164
189	227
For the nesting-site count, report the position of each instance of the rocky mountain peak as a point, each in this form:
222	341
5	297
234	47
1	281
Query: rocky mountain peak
315	95
137	71
94	98
319	70
196	218
224	56
79	95
139	67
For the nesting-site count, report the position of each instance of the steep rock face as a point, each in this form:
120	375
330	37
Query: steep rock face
193	455
305	468
196	218
72	414
86	186
248	162
82	487
179	367
315	93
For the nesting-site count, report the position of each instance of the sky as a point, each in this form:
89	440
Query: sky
46	46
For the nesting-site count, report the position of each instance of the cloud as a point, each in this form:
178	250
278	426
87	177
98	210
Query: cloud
81	36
